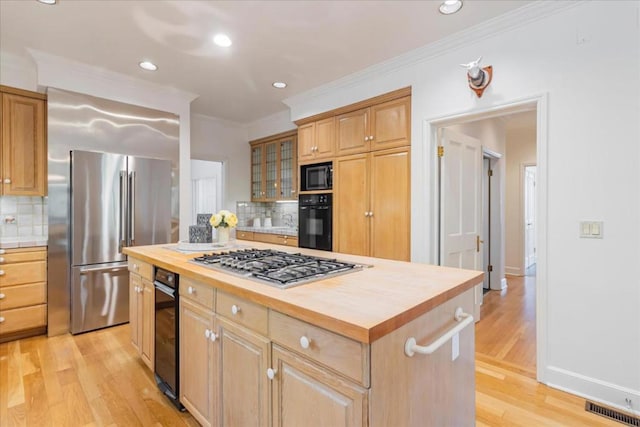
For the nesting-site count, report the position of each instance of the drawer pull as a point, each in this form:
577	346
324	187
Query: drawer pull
1	259
1	319
1	272
2	252
271	373
136	267
191	290
7	180
2	296
235	309
305	342
463	319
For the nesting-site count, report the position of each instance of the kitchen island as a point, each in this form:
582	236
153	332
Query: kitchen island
330	352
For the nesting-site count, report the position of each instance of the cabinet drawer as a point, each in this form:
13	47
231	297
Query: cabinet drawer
142	268
19	319
278	239
22	255
22	295
23	272
244	235
247	314
334	351
198	292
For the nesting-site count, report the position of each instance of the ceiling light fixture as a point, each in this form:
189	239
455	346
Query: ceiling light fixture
450	6
48	1
222	40
149	66
279	85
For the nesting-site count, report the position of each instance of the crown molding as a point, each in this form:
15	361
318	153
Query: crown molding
529	13
220	121
62	73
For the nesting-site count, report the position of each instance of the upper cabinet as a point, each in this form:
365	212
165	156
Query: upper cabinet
378	127
23	148
316	140
274	168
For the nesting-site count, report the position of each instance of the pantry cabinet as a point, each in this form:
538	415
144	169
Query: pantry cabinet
372	204
142	310
316	140
23	292
23	143
274	168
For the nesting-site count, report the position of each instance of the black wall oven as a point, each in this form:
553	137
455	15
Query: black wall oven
315	221
166	337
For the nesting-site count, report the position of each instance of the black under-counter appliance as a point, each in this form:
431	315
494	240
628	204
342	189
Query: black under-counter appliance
167	349
315	221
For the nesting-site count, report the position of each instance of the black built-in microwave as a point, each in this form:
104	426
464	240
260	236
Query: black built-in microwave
317	176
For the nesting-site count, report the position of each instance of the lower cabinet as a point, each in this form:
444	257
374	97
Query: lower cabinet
142	310
199	362
244	386
305	394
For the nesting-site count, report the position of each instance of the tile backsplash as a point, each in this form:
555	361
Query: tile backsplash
23	216
281	214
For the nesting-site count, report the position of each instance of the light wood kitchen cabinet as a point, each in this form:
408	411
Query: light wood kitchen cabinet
316	140
199	362
245	390
23	147
23	292
381	126
372	204
274	168
277	239
306	394
142	310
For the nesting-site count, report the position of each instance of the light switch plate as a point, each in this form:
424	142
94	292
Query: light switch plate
591	229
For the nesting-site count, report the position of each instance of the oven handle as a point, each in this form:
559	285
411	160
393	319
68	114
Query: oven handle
165	289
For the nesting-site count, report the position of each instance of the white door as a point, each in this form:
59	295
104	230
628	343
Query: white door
461	204
529	216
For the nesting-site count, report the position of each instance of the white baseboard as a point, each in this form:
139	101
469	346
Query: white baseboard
593	389
514	271
502	284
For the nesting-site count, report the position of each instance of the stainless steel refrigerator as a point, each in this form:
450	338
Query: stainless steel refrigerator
116	201
90	194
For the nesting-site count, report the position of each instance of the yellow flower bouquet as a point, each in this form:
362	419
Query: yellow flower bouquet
223	221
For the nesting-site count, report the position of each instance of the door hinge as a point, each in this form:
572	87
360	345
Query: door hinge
440	151
490	268
490	172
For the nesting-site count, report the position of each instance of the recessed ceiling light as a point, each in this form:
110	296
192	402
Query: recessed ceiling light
279	85
149	66
450	6
48	1
222	40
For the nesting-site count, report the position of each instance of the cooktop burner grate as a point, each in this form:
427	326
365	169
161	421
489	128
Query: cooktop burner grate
281	269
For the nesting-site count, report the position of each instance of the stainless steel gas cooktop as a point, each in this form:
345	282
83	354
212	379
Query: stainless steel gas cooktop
276	268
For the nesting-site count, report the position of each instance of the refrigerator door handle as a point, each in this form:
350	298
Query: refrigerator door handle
132	209
123	211
85	270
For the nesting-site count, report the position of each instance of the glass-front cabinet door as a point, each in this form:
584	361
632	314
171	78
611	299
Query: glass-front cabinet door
274	165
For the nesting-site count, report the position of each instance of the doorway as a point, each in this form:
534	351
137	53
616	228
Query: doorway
206	187
529	192
531	111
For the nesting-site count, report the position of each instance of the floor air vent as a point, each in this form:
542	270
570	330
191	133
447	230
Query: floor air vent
612	414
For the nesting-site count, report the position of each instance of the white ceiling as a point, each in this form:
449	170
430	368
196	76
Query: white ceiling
305	43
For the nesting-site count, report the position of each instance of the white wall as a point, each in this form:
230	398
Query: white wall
521	151
271	125
590	297
227	142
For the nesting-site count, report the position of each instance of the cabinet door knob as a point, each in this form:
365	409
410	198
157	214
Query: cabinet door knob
366	138
2	251
191	290
1	319
235	309
207	333
2	296
1	259
370	213
213	337
7	181
271	373
370	137
305	342
1	272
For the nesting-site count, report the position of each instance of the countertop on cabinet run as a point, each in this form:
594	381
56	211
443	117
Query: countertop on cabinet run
289	231
363	305
22	242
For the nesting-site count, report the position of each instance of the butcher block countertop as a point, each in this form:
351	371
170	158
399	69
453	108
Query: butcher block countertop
363	305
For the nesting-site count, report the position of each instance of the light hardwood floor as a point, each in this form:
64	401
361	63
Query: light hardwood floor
97	379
